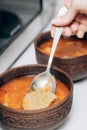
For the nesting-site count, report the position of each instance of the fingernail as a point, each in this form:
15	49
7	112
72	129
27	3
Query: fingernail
80	34
66	34
74	28
56	20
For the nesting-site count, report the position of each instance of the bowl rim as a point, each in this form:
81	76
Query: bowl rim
43	109
60	58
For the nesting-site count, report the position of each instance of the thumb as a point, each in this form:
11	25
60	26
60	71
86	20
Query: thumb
67	18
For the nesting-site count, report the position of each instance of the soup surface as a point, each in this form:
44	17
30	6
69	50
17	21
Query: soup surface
67	47
13	92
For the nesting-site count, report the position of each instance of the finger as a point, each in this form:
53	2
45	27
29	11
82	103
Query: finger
74	27
80	34
67	18
67	32
81	18
81	31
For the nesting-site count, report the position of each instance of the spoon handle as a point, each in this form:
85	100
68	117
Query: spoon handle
58	32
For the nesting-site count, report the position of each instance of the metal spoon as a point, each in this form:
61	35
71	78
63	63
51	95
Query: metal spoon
43	78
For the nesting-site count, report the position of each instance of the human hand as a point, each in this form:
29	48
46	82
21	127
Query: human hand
74	21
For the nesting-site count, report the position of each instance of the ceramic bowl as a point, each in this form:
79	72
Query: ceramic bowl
43	119
76	67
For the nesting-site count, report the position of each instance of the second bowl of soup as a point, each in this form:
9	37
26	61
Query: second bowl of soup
70	55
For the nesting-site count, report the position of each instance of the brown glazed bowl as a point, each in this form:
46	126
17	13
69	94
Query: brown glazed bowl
76	67
43	119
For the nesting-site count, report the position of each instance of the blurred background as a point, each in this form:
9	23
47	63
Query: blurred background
20	22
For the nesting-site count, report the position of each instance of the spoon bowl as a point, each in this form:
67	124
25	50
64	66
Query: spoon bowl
43	79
